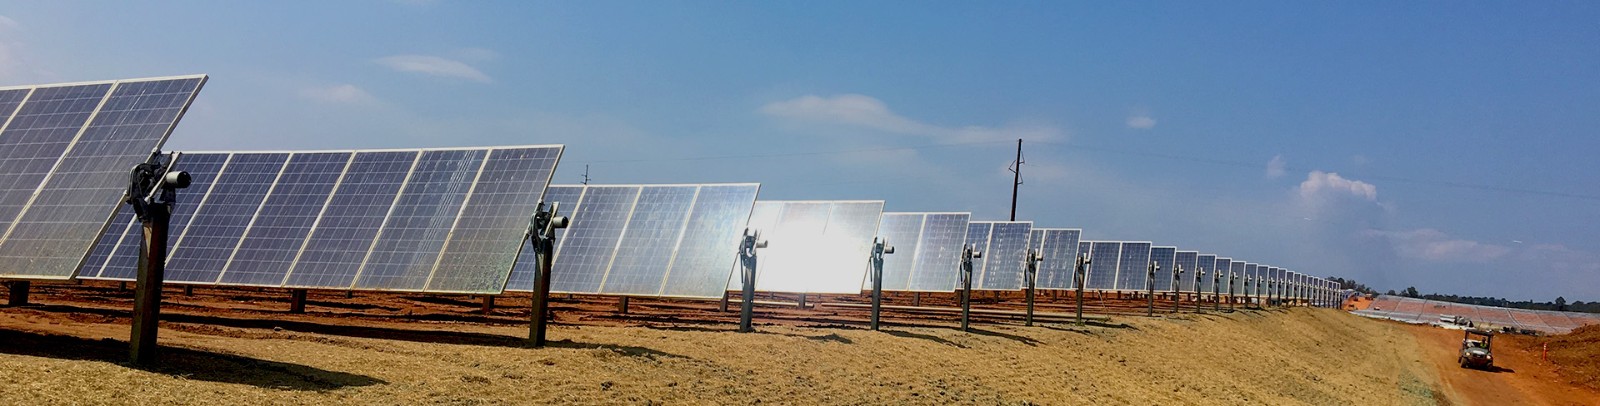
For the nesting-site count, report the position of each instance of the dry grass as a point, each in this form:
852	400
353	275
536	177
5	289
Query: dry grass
1300	356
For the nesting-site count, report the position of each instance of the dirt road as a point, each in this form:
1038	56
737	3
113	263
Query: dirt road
1518	378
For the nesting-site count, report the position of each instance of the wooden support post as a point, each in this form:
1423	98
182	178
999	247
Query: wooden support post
349	294
19	293
488	304
151	275
916	298
622	305
723	306
297	301
188	290
802	303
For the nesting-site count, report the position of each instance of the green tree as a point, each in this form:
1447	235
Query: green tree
1412	292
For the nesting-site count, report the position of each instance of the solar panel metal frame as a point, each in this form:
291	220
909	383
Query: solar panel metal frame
90	121
133	231
688	221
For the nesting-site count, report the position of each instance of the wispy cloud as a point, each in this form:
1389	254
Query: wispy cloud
1275	167
345	93
1434	245
1141	122
864	111
434	66
1319	184
12	64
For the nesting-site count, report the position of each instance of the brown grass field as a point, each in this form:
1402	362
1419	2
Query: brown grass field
240	346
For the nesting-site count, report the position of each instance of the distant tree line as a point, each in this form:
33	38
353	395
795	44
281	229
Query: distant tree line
1353	285
1560	304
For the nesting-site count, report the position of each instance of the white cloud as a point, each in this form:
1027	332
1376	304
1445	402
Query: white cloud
867	112
1275	167
1319	184
345	93
1434	245
434	66
1141	122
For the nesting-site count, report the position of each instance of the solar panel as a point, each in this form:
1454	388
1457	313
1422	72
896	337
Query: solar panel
978	237
1207	263
1005	260
349	223
378	220
199	253
938	262
1059	247
645	240
1249	279
119	248
522	276
903	231
1239	277
409	242
1133	266
67	150
814	246
927	253
278	232
1221	269
1166	257
1103	257
1189	261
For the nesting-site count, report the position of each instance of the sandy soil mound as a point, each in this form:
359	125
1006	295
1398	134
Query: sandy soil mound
72	353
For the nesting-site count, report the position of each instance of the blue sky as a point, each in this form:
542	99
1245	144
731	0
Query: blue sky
1444	145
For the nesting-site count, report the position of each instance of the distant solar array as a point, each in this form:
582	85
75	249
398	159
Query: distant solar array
815	246
432	220
1423	311
645	240
66	150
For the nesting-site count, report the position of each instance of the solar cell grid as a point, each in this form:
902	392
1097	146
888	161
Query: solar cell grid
939	252
1207	264
1060	250
346	228
1133	266
1187	260
1006	258
1166	257
221	217
482	246
278	232
409	243
1103	256
904	232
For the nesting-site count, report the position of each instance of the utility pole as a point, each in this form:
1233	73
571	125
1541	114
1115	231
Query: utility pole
1016	180
585	174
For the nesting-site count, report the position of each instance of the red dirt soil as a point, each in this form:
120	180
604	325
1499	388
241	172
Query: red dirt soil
1519	376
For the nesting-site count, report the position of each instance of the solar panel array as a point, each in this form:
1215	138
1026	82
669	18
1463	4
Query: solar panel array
1059	247
432	220
813	246
644	240
927	255
66	150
